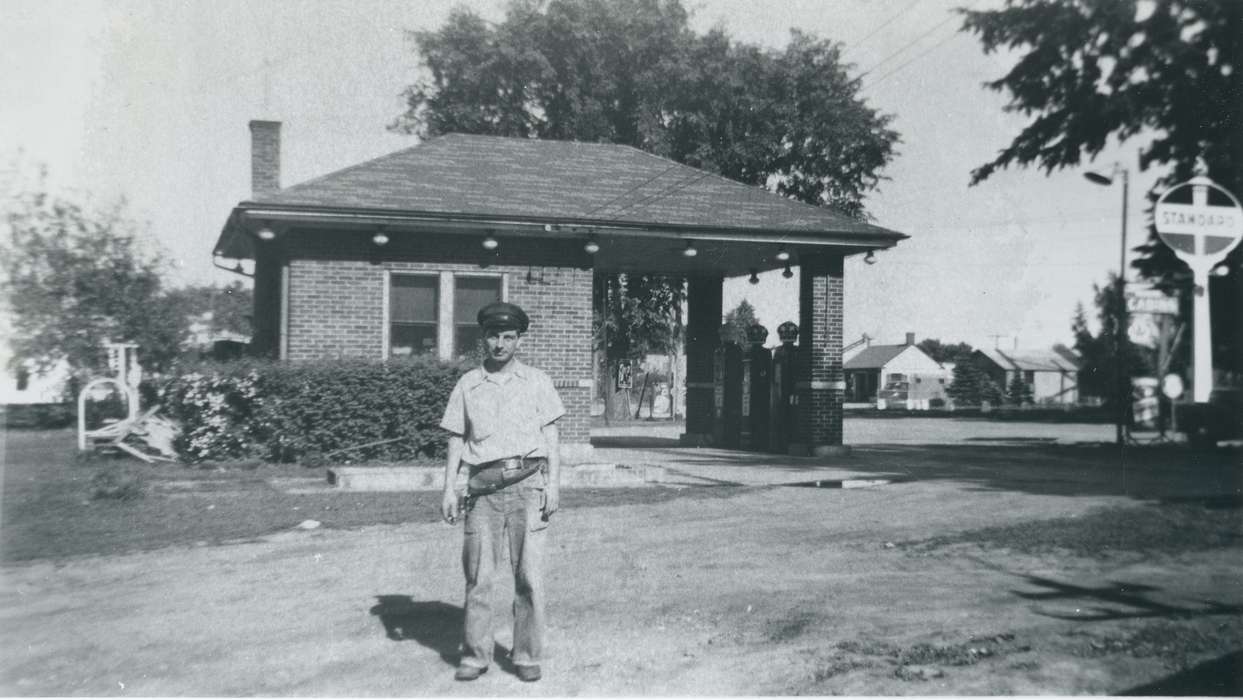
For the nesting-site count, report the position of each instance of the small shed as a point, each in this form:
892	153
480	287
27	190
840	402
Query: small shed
1050	375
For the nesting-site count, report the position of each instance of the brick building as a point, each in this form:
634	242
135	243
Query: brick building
394	255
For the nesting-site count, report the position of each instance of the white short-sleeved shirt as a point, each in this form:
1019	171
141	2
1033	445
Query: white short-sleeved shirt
501	414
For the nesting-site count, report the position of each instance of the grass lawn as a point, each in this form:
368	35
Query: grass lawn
56	505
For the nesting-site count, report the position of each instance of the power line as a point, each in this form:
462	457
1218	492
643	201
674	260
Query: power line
884	24
912	42
917	56
657	176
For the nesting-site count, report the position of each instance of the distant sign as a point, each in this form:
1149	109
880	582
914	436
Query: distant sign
1150	301
1199	219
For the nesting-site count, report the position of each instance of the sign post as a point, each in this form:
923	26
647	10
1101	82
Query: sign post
1201	222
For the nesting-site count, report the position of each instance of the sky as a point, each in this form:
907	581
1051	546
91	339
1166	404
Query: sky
149	100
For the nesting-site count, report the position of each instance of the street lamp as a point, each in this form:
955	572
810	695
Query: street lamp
1120	329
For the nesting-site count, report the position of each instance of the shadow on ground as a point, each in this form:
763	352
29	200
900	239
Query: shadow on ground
435	625
1116	600
1146	472
1222	676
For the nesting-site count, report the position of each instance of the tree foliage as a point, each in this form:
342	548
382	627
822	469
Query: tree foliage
737	321
971	385
945	352
1169	72
1098	354
642	315
633	72
76	278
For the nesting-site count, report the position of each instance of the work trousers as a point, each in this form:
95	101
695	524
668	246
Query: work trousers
511	516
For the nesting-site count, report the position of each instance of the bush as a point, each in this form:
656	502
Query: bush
289	412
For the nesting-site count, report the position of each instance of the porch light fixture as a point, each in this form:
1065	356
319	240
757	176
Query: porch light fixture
490	243
787	273
690	251
755	278
591	246
380	238
783	255
870	258
1220	271
266	234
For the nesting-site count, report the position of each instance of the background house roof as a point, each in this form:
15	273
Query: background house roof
461	174
1037	360
874	357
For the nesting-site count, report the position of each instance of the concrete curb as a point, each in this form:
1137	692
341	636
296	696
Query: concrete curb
432	478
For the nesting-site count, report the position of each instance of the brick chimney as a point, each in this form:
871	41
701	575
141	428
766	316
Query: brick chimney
910	338
265	157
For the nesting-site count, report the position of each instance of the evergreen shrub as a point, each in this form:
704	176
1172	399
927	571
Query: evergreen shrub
309	412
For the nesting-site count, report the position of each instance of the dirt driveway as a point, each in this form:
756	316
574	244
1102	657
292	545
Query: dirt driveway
1018	583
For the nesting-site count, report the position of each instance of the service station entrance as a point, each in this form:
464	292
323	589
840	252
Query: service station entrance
787	400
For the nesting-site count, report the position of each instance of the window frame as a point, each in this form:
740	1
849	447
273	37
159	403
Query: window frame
446	326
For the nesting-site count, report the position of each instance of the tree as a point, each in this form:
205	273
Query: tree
945	352
1169	71
971	385
1019	392
1099	369
635	315
737	321
633	72
223	309
77	278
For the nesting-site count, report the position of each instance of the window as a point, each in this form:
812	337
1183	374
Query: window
1029	376
414	303
469	295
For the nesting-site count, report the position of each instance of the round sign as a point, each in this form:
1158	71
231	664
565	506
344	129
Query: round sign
1172	386
1199	220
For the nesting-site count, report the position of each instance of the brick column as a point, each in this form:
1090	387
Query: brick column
819	381
703	323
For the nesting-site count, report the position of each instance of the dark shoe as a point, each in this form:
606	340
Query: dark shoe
466	672
528	674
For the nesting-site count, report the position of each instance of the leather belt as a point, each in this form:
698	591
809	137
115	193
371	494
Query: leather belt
493	476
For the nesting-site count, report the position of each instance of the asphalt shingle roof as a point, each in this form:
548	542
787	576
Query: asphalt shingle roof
566	180
1030	360
874	357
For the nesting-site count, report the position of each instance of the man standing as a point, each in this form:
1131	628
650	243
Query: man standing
502	419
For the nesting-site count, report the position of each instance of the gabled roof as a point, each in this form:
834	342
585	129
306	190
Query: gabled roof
1037	360
874	356
461	174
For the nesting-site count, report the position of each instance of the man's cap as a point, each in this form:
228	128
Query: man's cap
502	315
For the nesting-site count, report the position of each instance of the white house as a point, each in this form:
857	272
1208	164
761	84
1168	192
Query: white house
899	375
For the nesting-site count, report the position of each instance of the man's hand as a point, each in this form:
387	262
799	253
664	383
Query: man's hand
552	500
448	506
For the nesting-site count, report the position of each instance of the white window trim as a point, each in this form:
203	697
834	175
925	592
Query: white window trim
445	331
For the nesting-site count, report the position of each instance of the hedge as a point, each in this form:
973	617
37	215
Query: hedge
307	412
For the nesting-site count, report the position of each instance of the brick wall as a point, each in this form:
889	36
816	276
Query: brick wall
265	157
819	383
336	310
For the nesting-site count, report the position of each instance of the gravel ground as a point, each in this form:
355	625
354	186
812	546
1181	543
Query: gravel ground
994	571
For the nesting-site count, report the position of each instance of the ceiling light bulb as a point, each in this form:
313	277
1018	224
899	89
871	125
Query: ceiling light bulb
490	243
783	255
690	251
870	258
591	246
380	238
787	273
266	234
